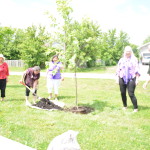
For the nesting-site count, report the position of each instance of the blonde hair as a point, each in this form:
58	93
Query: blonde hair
2	56
128	48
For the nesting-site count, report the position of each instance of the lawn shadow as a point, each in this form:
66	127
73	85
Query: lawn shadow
140	107
97	105
15	99
15	86
144	107
65	97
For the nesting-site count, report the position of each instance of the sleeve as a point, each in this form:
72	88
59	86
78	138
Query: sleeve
118	68
51	66
7	69
27	71
59	66
38	76
137	69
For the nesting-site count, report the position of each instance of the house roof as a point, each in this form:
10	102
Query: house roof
145	45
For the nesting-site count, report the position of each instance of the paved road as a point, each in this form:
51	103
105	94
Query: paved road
143	71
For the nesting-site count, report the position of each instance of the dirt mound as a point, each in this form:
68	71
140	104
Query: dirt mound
44	103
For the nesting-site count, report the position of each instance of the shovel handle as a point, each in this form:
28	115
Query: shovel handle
29	89
22	83
26	86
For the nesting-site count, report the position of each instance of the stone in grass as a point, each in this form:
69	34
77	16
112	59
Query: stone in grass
65	141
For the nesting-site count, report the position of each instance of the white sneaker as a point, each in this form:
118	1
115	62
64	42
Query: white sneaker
49	97
135	110
124	108
28	103
56	99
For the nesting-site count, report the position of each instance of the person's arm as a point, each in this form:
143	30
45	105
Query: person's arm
60	66
35	85
23	77
137	72
118	72
137	79
47	73
62	77
7	72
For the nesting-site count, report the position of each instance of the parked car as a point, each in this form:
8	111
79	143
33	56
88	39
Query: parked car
146	58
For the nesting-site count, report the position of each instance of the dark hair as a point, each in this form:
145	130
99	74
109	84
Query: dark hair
54	57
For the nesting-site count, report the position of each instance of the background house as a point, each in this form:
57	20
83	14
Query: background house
144	53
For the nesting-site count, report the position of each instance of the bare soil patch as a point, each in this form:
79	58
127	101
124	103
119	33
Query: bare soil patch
45	103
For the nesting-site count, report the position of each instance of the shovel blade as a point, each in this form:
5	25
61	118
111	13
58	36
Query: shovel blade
58	103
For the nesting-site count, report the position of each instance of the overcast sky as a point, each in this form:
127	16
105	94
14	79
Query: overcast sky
130	16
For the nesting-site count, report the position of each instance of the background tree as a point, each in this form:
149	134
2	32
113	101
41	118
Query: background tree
135	50
6	42
80	43
33	47
147	40
10	39
112	46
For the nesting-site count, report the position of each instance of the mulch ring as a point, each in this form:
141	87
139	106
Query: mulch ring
44	103
80	109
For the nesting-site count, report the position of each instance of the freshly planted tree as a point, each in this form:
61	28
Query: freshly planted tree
69	38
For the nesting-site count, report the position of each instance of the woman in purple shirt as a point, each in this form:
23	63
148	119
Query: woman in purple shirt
54	76
128	74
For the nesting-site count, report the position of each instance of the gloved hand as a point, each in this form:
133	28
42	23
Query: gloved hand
33	91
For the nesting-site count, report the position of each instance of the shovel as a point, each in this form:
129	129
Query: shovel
27	102
60	104
30	90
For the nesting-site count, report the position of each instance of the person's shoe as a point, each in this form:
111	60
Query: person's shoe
124	108
49	97
144	86
135	110
28	103
34	102
56	99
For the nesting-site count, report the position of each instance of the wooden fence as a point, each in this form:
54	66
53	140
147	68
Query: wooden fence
15	63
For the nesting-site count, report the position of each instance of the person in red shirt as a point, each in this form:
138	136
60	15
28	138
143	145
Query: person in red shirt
4	73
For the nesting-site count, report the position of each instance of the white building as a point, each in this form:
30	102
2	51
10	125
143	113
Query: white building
144	51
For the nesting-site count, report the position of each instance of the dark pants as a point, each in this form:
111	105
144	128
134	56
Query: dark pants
131	88
28	91
2	87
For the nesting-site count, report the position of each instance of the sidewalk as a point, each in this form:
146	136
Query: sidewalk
8	144
143	76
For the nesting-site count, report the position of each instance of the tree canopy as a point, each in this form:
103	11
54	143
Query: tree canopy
76	42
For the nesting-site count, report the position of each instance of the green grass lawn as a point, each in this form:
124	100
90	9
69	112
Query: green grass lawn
106	128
